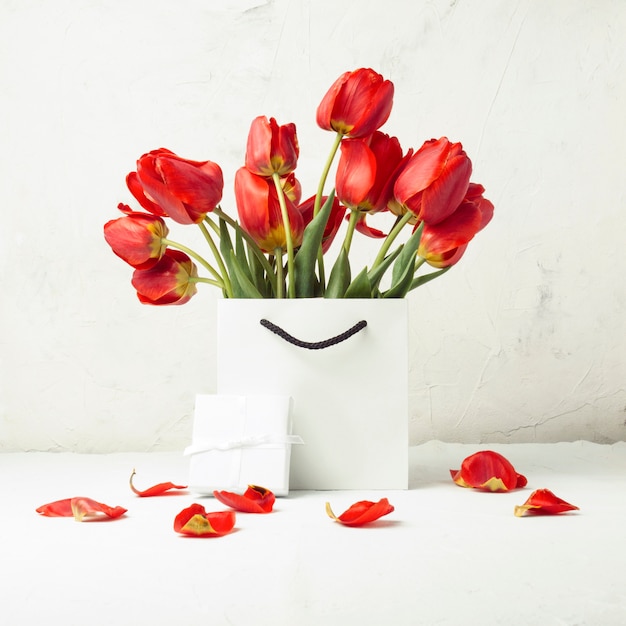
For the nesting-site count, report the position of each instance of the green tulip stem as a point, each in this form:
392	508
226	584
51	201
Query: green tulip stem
401	222
354	218
320	188
269	270
228	288
419	262
214	227
194	255
208	281
317	204
288	239
280	280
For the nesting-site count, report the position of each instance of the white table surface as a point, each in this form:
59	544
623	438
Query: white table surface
446	555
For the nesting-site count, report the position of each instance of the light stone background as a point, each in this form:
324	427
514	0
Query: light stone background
523	341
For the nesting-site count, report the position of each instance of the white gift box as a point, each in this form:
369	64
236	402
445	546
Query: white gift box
239	441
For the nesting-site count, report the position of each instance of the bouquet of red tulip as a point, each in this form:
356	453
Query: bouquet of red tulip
277	248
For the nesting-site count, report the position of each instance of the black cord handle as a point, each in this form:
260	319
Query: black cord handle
314	345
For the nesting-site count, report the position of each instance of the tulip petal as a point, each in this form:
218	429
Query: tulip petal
79	508
255	499
356	172
194	521
362	512
488	471
543	502
365	229
155	490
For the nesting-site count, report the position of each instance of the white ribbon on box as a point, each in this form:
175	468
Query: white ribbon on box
241	440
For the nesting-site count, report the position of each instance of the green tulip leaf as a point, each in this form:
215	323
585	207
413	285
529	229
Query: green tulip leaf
339	278
360	287
245	288
376	273
306	256
422	280
407	256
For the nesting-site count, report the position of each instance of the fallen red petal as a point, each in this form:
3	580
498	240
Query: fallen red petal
194	521
362	512
488	471
79	508
255	499
543	502
155	490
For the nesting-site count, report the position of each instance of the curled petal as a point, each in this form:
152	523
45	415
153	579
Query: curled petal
79	508
362	512
365	229
488	471
255	499
543	502
155	490
196	522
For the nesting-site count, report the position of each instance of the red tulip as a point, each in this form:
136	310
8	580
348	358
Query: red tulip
488	471
260	214
196	522
137	238
444	243
167	282
334	222
357	104
168	185
543	502
255	500
80	508
365	169
363	512
271	149
434	181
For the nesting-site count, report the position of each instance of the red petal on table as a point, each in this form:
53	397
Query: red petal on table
488	471
155	490
196	522
543	502
79	508
255	499
362	512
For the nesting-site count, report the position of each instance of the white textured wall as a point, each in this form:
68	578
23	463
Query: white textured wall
524	340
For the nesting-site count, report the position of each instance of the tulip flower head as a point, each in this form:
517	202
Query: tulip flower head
137	238
168	185
434	181
272	149
170	281
260	213
357	104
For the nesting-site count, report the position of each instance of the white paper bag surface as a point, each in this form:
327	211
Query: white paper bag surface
240	440
350	400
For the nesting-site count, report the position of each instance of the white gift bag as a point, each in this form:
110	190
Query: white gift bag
350	394
239	441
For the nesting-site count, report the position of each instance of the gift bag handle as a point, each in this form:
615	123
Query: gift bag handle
313	345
